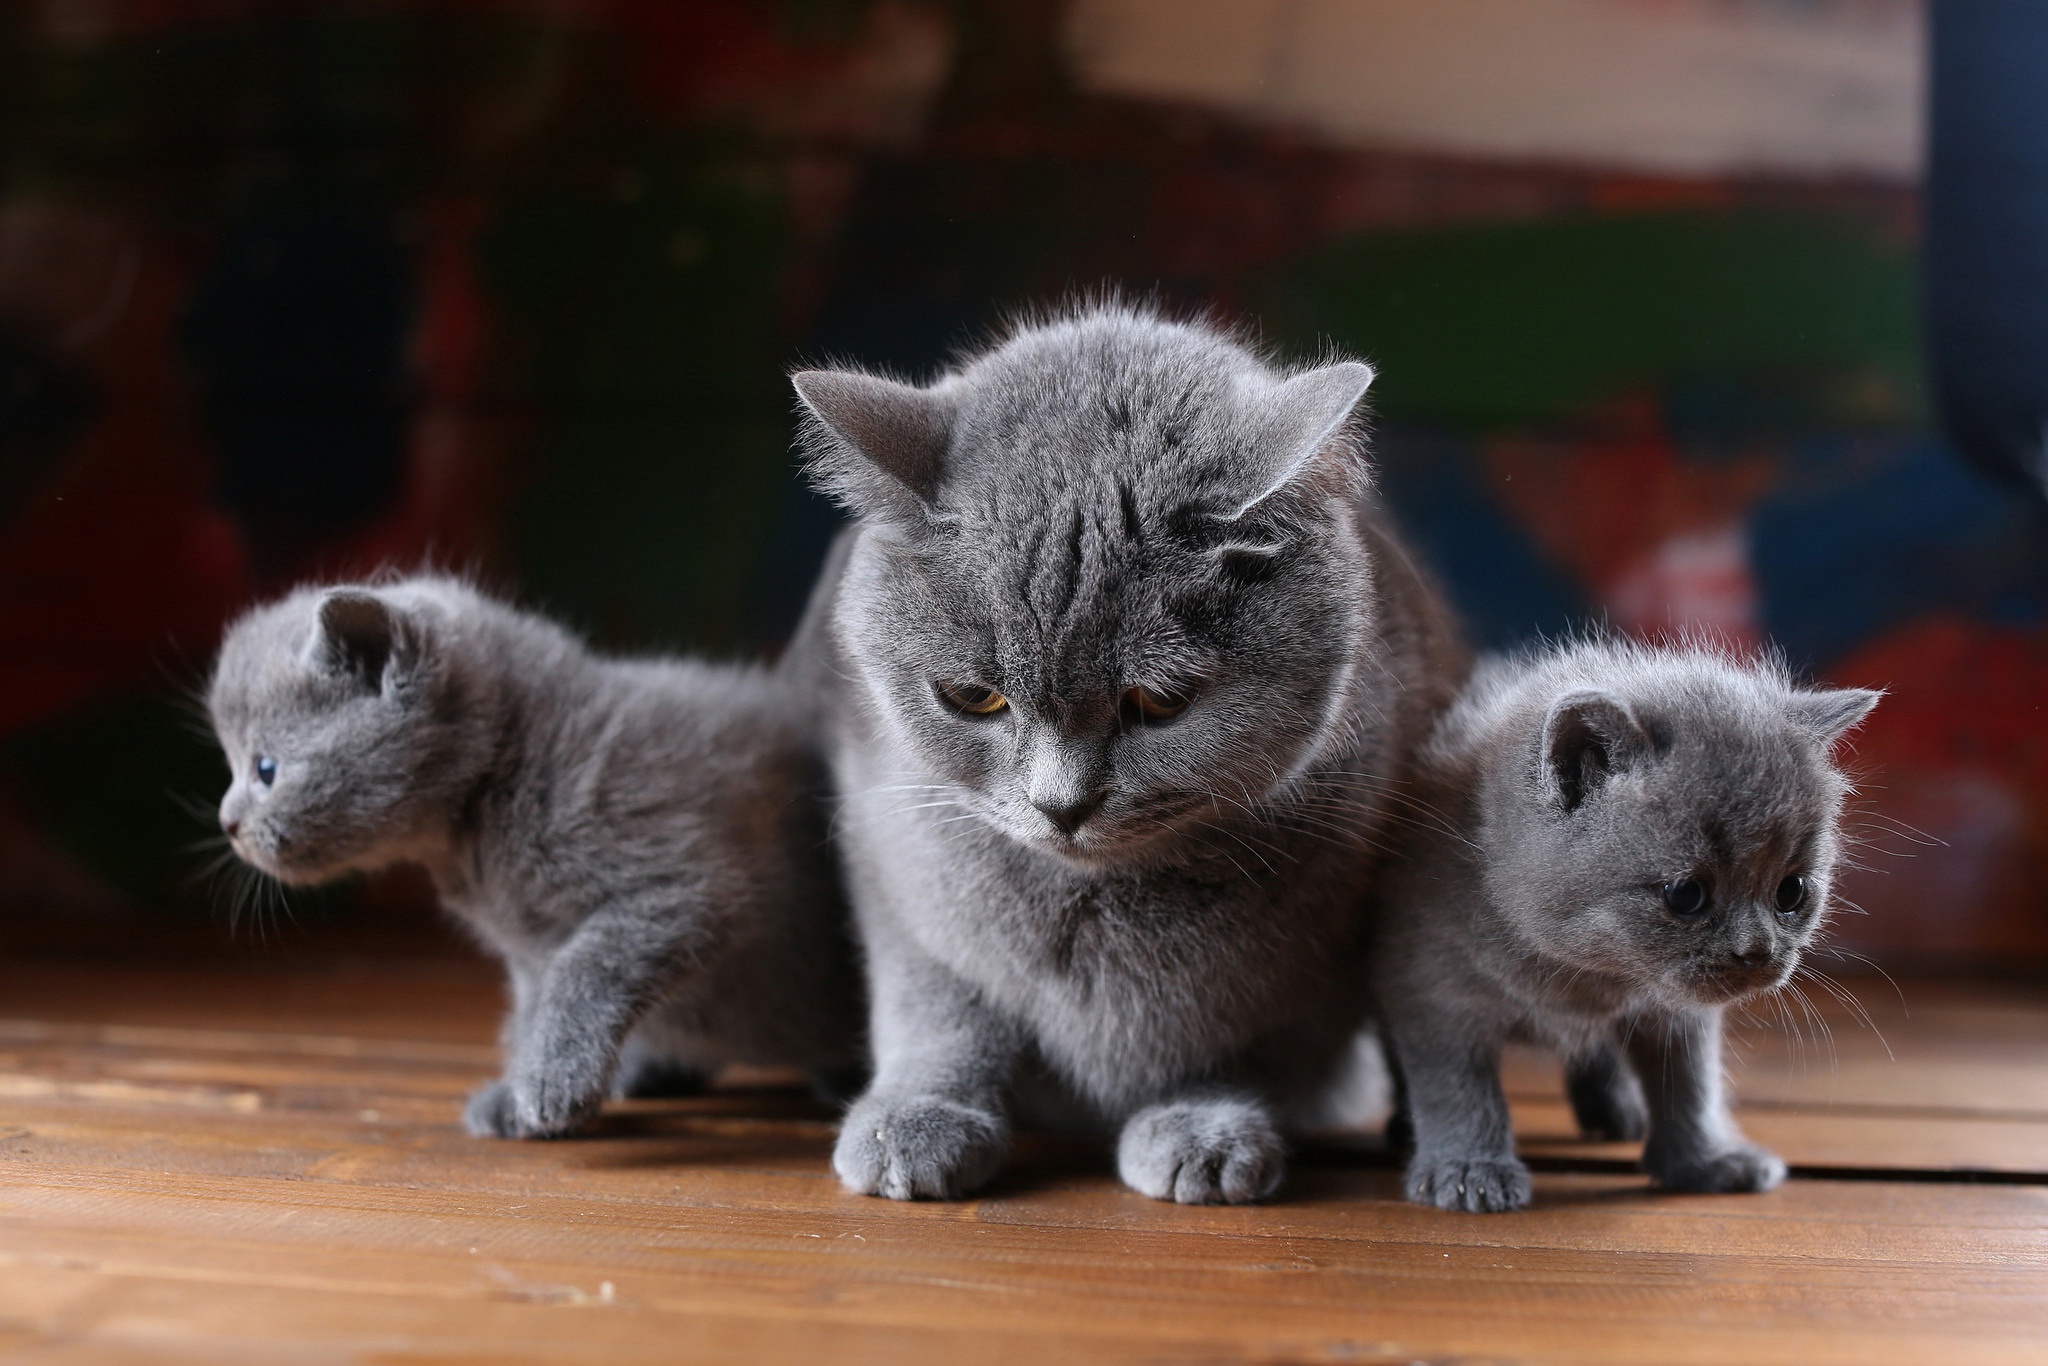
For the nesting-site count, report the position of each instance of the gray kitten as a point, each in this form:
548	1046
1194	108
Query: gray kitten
641	841
1633	838
1130	679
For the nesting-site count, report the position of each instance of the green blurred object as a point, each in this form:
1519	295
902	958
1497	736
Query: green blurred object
1488	327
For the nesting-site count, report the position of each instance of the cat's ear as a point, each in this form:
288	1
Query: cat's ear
360	636
884	446
1303	438
1588	737
1831	713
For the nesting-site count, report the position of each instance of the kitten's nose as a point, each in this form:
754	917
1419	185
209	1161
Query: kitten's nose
1070	815
1751	957
230	828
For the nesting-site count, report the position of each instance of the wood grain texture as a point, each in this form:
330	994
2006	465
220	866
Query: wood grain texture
215	1163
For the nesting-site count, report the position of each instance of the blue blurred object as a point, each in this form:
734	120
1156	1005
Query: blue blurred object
1987	232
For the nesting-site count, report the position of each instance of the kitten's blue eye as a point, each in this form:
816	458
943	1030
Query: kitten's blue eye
266	769
1791	894
1687	896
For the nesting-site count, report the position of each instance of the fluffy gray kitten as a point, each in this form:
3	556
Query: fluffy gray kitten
1130	676
641	841
1632	838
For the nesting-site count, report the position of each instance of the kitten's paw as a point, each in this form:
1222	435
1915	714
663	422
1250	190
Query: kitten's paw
1610	1108
489	1114
552	1105
1739	1169
918	1148
1202	1152
1486	1185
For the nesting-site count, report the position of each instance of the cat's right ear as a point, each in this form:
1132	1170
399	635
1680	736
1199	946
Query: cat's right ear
360	636
1587	738
881	446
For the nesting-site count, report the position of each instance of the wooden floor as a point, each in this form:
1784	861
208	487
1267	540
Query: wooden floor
259	1162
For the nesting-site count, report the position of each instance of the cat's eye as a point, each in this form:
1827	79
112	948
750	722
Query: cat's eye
1687	896
266	769
971	699
1142	705
1791	894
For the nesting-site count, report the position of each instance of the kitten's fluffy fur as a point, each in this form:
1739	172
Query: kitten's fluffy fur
1576	784
641	841
1143	922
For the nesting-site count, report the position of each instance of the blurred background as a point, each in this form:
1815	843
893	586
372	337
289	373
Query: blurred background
298	289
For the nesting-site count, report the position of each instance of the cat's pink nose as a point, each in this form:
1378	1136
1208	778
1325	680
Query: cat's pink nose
230	828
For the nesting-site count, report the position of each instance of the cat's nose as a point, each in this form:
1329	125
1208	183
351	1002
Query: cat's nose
1070	814
1754	957
230	828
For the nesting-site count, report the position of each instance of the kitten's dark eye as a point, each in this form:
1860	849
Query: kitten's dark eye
1687	896
266	769
1141	705
971	699
1791	894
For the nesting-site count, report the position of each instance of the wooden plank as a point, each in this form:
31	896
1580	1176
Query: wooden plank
208	1163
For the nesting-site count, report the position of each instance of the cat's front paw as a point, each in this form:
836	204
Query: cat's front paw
489	1112
918	1147
1484	1185
1742	1168
1202	1152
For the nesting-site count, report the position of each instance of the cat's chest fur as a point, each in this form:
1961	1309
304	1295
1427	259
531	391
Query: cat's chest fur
1124	981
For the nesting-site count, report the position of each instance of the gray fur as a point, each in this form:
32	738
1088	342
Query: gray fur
641	841
1574	784
1066	906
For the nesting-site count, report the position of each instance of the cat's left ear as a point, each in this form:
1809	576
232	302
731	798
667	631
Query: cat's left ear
880	446
1304	440
1831	713
1587	738
361	636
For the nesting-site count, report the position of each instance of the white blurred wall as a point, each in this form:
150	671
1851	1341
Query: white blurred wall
1685	87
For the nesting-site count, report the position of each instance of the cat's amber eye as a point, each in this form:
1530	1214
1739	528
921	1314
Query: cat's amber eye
266	769
1687	896
1791	894
1142	704
971	699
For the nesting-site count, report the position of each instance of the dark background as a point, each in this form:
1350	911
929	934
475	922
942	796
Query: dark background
297	290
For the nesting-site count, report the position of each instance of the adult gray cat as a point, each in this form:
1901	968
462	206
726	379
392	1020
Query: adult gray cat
641	841
1130	677
1635	838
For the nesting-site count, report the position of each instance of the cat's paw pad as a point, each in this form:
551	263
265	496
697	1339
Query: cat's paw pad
1741	1169
918	1148
1487	1185
1202	1152
489	1112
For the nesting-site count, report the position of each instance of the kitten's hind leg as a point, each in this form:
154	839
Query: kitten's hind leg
646	1073
1607	1100
1220	1148
1694	1144
1464	1145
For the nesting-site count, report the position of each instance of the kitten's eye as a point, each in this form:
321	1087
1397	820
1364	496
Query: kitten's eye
266	769
1141	704
1791	894
1687	896
971	698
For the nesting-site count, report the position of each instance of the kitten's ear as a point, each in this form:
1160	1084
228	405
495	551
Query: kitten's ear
885	446
1304	417
1833	712
1588	737
360	635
